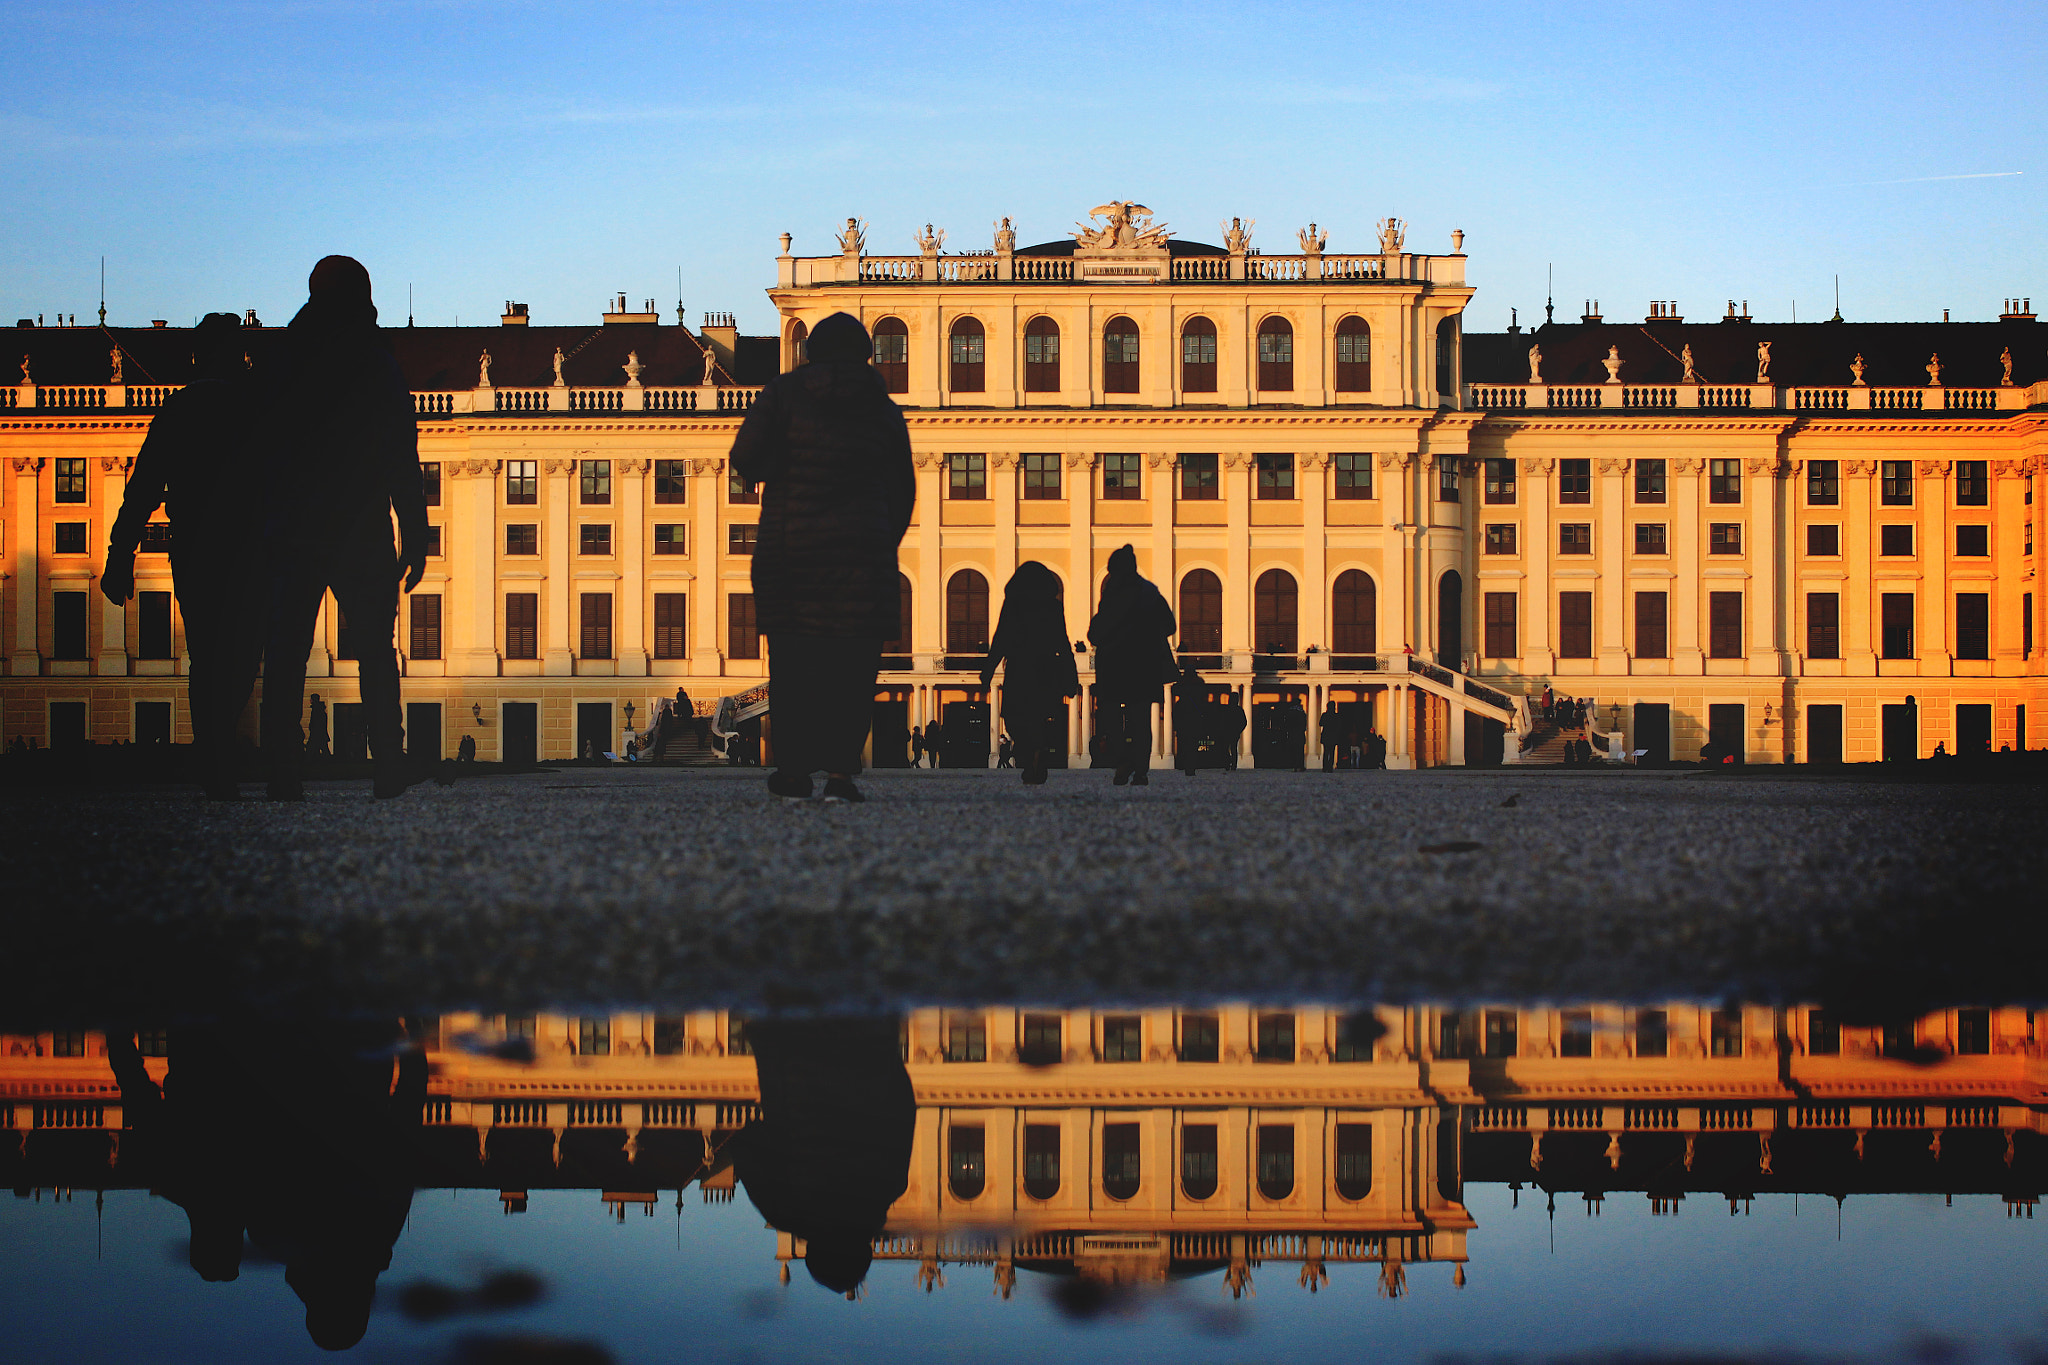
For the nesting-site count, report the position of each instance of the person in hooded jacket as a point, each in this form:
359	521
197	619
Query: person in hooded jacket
1038	667
831	452
332	491
1134	660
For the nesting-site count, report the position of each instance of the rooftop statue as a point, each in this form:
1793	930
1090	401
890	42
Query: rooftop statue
1613	364
1392	232
1691	375
855	237
1535	364
1763	362
116	356
1312	241
1934	370
2005	359
1856	367
710	365
1130	225
1006	236
1237	238
929	241
483	370
559	381
25	378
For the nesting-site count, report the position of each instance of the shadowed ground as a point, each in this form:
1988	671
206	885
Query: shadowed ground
617	886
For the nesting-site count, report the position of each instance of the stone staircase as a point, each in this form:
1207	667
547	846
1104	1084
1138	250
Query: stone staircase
682	749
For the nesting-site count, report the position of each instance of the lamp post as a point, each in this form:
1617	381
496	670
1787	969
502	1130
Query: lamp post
629	715
476	709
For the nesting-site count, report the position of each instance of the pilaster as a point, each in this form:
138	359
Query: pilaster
558	485
1002	467
929	601
1159	488
1859	600
707	641
1234	473
1612	546
113	653
1683	490
470	546
1312	486
1933	498
26	660
1766	483
1539	656
1080	491
1396	625
633	606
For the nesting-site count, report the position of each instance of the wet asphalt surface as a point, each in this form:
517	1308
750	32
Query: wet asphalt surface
586	886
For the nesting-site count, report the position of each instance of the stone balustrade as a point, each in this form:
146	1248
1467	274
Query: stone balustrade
626	398
1751	397
1004	267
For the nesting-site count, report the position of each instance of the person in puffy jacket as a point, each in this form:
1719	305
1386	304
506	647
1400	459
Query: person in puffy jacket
1038	667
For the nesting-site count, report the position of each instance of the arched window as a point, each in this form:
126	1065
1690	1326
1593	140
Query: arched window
1041	356
900	644
1120	356
799	344
1198	356
892	354
967	350
1275	610
1276	356
1198	1160
1354	614
1447	357
1276	1160
967	613
1041	1160
1354	1160
1354	356
1201	613
1450	620
1121	1172
966	1161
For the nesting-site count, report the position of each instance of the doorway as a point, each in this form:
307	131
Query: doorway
1275	742
1485	741
423	730
152	722
1450	621
522	733
67	725
1824	735
889	729
351	733
1901	732
1727	732
1973	730
963	734
1650	733
593	729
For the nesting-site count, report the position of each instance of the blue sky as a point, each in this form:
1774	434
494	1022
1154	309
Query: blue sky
557	154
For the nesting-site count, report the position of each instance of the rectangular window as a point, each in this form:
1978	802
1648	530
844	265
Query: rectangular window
1724	481
1653	1033
1650	481
67	619
966	1040
1896	541
1275	1040
1574	481
1042	478
1355	1035
596	476
597	625
594	538
1824	542
68	537
1198	478
1724	538
1201	1038
433	541
1500	483
1120	479
1276	478
153	625
1823	625
671	482
156	538
1973	1032
1575	625
1123	1038
1354	477
2026	629
1500	538
739	492
522	625
1724	625
1041	1160
1724	1033
1895	483
966	477
1041	1044
1653	636
1973	625
70	480
740	537
742	636
1896	617
1575	538
1500	1034
1575	1033
1500	625
430	481
426	625
1650	538
1973	484
1823	483
1450	1039
522	539
593	1037
1823	1034
1973	542
671	538
671	625
522	482
1447	486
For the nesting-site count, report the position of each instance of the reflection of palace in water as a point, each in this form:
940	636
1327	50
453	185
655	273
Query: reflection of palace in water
1133	1145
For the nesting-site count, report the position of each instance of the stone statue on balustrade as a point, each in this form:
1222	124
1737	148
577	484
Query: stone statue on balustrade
710	367
929	241
1535	364
632	368
1613	364
1392	232
560	382
26	378
1006	236
116	357
1856	367
1934	371
2004	358
483	370
1763	362
1312	241
1237	238
855	237
1691	375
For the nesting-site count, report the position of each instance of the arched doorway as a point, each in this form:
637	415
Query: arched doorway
967	613
1276	612
1201	617
896	651
1354	618
1450	620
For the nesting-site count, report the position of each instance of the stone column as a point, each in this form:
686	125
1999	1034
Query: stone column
707	641
113	654
1768	624
928	604
1931	502
1397	622
1859	599
25	660
632	606
1312	485
1235	476
558	488
470	546
1159	491
1002	487
1081	553
1538	655
1612	534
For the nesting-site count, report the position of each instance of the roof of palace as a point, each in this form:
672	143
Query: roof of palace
1895	354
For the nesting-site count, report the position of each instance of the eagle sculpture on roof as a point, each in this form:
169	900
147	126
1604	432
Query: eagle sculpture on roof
1129	224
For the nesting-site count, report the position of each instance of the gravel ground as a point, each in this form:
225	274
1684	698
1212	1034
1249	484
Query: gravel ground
588	886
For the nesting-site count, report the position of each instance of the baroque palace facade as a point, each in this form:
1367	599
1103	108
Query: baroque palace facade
1807	542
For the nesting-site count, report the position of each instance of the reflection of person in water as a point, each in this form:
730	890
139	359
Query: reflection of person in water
328	1195
831	1151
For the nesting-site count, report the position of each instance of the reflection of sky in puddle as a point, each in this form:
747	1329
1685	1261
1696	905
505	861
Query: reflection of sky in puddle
702	1283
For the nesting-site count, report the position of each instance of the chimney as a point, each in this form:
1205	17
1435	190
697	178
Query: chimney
515	314
615	312
1592	313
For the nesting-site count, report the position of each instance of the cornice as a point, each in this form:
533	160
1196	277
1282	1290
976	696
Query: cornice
1770	424
78	424
1166	417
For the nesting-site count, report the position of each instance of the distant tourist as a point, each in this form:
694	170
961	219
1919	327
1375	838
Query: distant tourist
832	454
1134	660
316	728
1330	736
1038	668
1190	717
465	752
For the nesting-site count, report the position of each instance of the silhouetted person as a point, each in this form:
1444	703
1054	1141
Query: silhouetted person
1294	722
198	463
1038	666
316	728
1330	735
465	752
1230	727
351	461
831	1151
1133	661
830	449
1190	717
686	714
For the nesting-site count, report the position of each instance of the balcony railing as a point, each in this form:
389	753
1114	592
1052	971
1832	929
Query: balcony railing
1750	397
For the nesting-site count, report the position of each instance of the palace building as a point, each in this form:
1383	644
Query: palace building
1807	543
